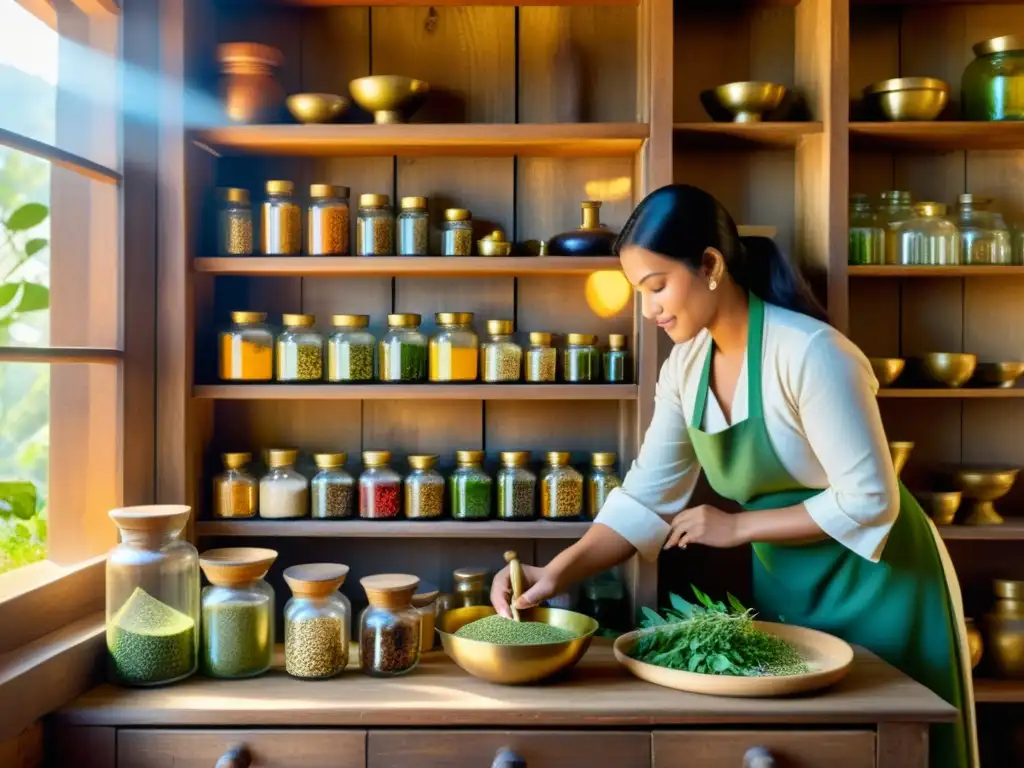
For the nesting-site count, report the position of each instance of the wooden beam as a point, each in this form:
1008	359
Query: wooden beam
60	355
59	157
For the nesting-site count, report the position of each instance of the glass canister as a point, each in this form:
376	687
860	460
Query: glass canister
234	222
413	227
316	621
517	487
424	489
379	487
235	491
454	348
895	210
375	226
332	488
327	220
281	221
425	601
867	237
984	237
561	488
1004	629
616	359
350	349
247	348
238	612
601	481
389	627
300	350
501	358
992	86
541	358
469	487
457	233
402	353
470	587
284	491
581	360
929	238
152	580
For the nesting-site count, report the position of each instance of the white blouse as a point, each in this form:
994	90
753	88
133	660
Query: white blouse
822	420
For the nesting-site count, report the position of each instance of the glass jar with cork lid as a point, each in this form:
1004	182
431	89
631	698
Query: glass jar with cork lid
284	491
454	348
234	222
469	588
375	226
235	491
350	349
300	350
424	489
316	621
517	487
332	488
616	359
501	358
380	487
247	348
469	487
457	233
541	358
413	227
561	489
402	353
581	361
601	481
327	220
389	627
280	221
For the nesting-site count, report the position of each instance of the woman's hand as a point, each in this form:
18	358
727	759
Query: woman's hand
705	525
539	584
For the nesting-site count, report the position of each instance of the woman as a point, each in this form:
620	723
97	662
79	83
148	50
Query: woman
778	409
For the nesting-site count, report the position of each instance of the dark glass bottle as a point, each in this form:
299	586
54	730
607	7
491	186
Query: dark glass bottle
591	239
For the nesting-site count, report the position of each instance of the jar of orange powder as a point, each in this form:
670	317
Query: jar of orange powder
247	348
454	348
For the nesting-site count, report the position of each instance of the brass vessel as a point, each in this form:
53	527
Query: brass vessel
591	239
887	369
940	506
908	98
1004	629
749	102
391	98
983	487
948	369
1003	375
316	107
494	244
900	452
248	89
975	642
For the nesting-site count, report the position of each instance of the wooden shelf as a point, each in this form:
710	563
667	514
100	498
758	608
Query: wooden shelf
872	270
938	136
416	392
433	139
405	266
438	3
751	135
998	691
1011	530
448	529
959	393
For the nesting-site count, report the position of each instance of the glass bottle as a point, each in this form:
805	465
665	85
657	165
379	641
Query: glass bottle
379	487
238	612
316	621
235	491
424	489
501	358
281	221
284	492
375	226
984	237
867	237
389	627
425	601
581	358
601	481
517	487
234	222
457	233
350	349
300	350
413	227
895	210
561	488
591	239
990	85
247	348
454	348
541	358
469	487
470	587
152	585
332	488
402	354
616	359
929	238
604	599
327	220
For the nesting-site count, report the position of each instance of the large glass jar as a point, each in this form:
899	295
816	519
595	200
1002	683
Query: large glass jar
469	487
316	621
327	220
284	491
894	211
350	349
375	226
541	358
929	238
379	487
867	237
469	588
616	359
234	222
581	359
424	489
235	491
517	487
984	237
389	627
457	233
1004	630
281	221
992	86
425	601
238	612
402	354
300	350
454	348
152	597
561	488
332	488
413	227
501	358
247	348
601	481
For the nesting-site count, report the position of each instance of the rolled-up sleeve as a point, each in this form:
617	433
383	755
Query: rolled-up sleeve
662	478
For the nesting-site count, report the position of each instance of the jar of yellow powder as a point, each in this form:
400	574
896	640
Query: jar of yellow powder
454	348
247	348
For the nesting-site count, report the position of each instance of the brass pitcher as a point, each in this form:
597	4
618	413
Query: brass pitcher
249	91
1004	629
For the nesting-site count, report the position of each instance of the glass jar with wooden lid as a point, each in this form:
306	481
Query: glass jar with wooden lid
280	221
327	220
316	621
454	348
375	226
350	349
284	491
402	352
413	227
424	489
235	491
234	222
247	348
380	487
389	627
561	488
501	359
601	481
332	488
300	350
517	487
541	358
469	487
457	233
616	359
581	360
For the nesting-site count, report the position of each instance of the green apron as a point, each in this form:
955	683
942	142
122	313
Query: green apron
899	608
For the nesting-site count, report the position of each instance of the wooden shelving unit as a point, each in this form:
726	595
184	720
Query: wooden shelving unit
923	272
766	135
416	392
1011	530
998	691
938	136
959	393
440	529
406	266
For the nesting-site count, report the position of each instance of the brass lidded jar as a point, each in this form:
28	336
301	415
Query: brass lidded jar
1004	629
380	487
928	238
247	348
541	358
332	488
235	490
591	239
327	220
280	221
402	352
470	587
867	237
457	233
413	227
424	489
991	86
601	481
375	226
501	358
581	360
300	350
984	237
454	348
616	359
389	627
234	222
895	209
561	488
469	487
284	491
517	487
350	349
316	621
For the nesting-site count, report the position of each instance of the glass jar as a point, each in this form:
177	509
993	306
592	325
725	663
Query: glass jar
470	587
541	358
284	492
402	354
990	88
281	221
316	621
414	227
454	348
929	238
379	487
327	220
603	598
424	489
501	358
389	627
616	359
300	350
867	237
350	349
601	481
984	237
152	581
1004	629
235	491
247	348
581	360
425	601
894	211
561	488
238	612
234	222
517	487
469	487
332	488
375	226
457	233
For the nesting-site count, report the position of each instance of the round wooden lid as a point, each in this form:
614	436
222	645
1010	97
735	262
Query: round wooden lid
233	566
151	518
315	579
390	589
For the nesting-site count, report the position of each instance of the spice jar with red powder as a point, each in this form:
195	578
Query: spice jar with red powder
380	487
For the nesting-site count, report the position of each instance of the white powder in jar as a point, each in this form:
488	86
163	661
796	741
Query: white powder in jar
284	496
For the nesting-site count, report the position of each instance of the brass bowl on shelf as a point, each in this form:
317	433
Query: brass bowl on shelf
887	369
940	506
949	369
749	102
900	452
983	486
1002	375
904	99
494	244
391	98
316	107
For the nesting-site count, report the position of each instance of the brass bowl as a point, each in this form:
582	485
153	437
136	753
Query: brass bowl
1003	375
949	369
316	107
749	101
983	486
908	98
887	369
391	98
515	664
900	452
940	506
494	244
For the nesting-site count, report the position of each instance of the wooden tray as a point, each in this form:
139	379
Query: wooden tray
829	658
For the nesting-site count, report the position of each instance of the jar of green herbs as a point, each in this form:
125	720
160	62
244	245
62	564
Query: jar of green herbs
581	361
402	353
601	481
469	487
300	350
350	349
867	236
616	360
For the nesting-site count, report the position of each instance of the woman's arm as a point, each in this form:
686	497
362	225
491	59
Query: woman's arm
708	525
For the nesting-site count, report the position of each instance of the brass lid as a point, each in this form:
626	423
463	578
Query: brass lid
542	338
281	457
456	214
1008	590
373	201
896	196
247	318
404	320
999	45
596	204
453	318
603	459
930	209
234	566
413	203
299	321
279	187
315	579
515	458
470	576
907	84
617	341
376	458
423	461
426	593
469	458
327	190
390	590
234	194
581	338
557	458
249	53
151	518
496	236
498	327
350	321
330	460
236	460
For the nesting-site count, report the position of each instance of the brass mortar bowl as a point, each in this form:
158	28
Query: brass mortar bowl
391	98
316	107
1003	375
900	452
908	98
749	102
940	506
887	369
494	244
983	486
515	664
949	369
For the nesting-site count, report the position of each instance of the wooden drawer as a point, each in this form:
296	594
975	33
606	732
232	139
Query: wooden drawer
478	749
789	749
156	748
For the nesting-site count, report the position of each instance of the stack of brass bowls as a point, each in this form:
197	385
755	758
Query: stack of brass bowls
948	369
748	102
391	98
983	486
887	369
908	98
940	506
1003	375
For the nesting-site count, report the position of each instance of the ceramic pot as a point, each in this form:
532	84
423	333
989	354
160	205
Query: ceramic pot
248	89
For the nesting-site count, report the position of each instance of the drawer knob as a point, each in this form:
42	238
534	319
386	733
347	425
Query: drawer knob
237	756
506	758
758	757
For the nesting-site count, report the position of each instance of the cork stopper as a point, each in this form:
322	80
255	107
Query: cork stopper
157	519
235	566
390	590
315	579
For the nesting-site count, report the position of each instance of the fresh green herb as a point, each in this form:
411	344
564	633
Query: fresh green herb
501	631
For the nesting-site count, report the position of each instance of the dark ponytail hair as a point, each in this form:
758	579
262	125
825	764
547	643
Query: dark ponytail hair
681	222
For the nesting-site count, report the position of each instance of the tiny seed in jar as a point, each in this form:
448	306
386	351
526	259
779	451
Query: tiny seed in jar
540	364
236	498
236	233
568	497
502	362
314	647
332	500
458	242
328	230
516	498
375	235
424	499
389	647
412	236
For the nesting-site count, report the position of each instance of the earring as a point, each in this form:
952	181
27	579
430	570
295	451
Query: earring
712	284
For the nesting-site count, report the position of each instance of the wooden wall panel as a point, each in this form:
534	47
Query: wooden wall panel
407	427
934	428
335	48
875	317
539	426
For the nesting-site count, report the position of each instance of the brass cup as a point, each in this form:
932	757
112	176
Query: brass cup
494	244
1003	375
908	98
900	452
749	101
983	487
940	506
887	369
391	98
975	642
316	107
949	369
